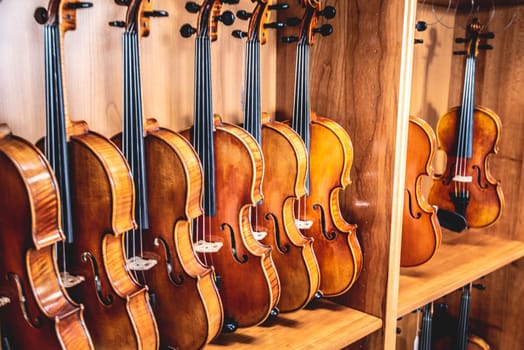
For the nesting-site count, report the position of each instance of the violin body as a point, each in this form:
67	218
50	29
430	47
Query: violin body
40	314
249	286
118	311
285	165
188	307
485	194
421	234
336	245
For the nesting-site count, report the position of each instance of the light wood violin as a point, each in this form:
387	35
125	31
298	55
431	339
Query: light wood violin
36	311
233	167
421	233
97	195
285	168
188	308
330	158
469	136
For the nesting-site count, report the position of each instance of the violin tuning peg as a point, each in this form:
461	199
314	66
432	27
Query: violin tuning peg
40	15
485	47
122	2
419	41
192	7
460	40
479	286
293	21
328	12
186	30
227	17
421	26
118	24
458	53
488	35
275	25
79	5
289	39
231	2
324	30
156	13
239	34
278	7
244	15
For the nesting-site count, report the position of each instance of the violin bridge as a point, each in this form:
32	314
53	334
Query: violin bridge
462	178
137	263
4	301
69	280
303	225
207	247
259	235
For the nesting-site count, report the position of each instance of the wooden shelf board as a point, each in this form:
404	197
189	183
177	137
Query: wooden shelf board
462	258
327	326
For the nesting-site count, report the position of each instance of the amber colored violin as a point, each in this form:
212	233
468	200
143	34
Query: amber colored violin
330	158
233	167
285	168
469	135
421	234
36	311
97	195
188	308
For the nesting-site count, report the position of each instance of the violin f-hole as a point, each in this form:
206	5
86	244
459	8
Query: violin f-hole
410	206
477	170
35	322
285	249
331	235
176	280
446	178
106	300
233	243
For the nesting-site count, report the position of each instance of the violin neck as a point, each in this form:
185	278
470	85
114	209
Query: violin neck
301	103
462	331
133	124
252	100
56	123
465	132
425	334
203	120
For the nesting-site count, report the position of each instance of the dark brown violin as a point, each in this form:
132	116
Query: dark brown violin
285	168
330	158
233	168
421	234
97	195
469	135
37	310
188	308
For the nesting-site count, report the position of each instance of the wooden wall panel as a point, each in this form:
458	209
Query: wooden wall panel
93	63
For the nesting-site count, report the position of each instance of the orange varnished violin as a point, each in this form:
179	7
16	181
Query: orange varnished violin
188	308
330	158
233	169
97	195
421	234
35	307
469	135
285	168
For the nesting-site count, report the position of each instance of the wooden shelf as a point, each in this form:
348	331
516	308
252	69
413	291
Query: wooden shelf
327	326
461	259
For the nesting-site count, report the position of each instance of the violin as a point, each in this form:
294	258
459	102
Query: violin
97	195
421	233
285	167
330	154
469	136
188	308
38	311
233	167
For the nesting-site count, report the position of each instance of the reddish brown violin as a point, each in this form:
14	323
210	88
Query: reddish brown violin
285	168
469	135
168	176
233	166
38	312
421	234
97	205
330	158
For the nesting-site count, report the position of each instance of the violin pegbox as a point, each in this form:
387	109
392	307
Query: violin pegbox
309	22
210	13
138	16
61	13
475	32
259	20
